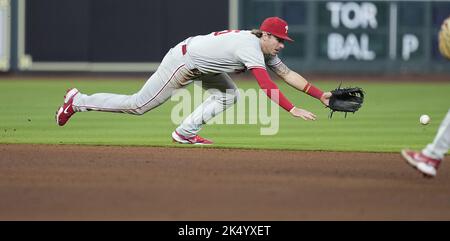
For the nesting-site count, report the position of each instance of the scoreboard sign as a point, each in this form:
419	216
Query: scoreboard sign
365	31
350	16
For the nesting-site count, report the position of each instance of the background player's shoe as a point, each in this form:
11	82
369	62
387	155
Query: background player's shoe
66	110
425	165
196	140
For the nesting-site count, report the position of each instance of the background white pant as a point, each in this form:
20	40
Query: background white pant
441	143
172	74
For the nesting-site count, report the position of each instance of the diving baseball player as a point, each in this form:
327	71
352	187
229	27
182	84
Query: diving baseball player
207	58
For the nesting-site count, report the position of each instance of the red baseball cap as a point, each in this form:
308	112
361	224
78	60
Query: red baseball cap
277	27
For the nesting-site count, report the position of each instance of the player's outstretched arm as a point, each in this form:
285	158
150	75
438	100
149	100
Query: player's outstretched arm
297	81
270	88
289	76
275	94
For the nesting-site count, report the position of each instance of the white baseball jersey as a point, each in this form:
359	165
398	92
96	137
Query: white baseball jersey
227	52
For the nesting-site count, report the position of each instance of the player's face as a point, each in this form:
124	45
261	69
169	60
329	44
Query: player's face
271	44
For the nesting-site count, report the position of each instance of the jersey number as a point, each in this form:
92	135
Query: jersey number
226	31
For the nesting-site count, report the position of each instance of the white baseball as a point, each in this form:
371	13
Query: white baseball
424	119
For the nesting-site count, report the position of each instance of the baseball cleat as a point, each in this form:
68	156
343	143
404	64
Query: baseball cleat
425	165
195	140
66	110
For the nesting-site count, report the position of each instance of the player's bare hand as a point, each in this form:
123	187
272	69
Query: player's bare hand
304	114
325	99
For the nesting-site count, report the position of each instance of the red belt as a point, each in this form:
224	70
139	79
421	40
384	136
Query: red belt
184	49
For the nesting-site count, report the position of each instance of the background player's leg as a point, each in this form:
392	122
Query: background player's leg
223	94
441	143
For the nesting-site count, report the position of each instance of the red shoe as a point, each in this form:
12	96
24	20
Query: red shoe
66	110
195	140
425	165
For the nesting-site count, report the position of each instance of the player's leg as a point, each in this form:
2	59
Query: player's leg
155	91
429	159
223	94
441	143
172	74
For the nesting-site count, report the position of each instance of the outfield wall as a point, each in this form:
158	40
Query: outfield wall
108	35
375	36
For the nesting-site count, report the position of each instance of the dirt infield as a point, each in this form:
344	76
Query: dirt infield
49	182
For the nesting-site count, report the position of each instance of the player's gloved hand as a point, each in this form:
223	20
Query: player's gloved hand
304	114
325	99
346	100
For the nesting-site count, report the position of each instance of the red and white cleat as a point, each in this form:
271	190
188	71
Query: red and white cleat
425	165
195	140
66	110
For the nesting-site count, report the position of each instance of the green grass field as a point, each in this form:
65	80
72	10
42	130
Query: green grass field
388	121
